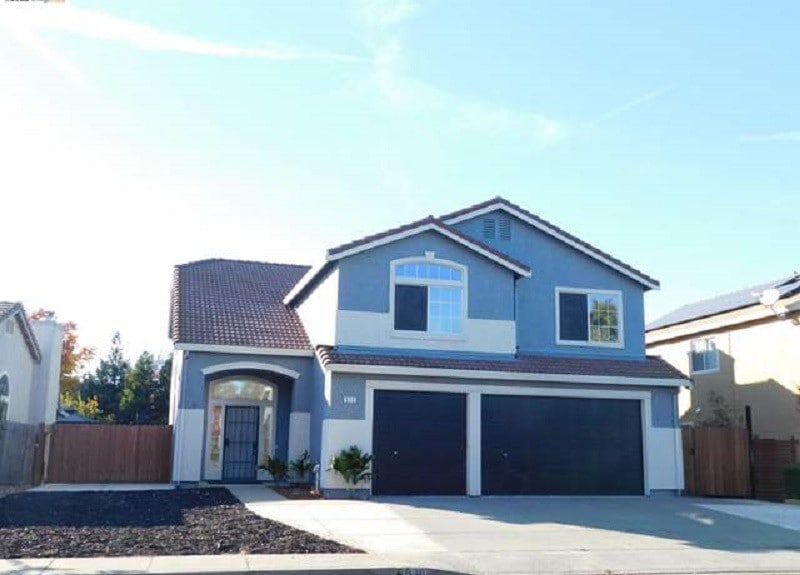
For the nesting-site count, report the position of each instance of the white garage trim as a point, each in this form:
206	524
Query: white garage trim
474	393
507	375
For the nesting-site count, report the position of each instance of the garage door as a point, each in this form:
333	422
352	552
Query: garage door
420	443
559	445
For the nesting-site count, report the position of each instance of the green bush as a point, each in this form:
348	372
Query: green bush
302	466
792	475
276	467
353	465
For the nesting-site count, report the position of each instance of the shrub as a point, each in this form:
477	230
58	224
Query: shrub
302	466
353	465
792	475
276	467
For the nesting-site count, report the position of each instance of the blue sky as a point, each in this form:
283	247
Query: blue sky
137	135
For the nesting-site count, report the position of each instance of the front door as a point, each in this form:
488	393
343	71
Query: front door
241	443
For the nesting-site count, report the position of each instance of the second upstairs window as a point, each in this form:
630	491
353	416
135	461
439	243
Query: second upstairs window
589	317
428	296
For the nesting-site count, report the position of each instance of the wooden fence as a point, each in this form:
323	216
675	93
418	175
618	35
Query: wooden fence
21	453
721	462
770	458
85	453
716	461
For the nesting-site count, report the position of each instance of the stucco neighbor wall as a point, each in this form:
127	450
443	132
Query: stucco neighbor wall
347	420
17	363
759	367
294	405
553	264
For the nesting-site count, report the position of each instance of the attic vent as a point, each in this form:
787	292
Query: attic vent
489	225
504	229
10	326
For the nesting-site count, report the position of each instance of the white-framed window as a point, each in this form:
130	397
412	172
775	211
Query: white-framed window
704	356
428	296
589	317
5	392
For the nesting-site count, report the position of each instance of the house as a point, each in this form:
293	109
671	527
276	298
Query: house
740	349
485	351
30	364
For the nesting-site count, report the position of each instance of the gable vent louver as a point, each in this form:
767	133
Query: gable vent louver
504	229
489	226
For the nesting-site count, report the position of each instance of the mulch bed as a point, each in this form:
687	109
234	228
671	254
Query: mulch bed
128	523
296	492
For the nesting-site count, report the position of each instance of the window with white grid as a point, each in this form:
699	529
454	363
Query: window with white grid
428	296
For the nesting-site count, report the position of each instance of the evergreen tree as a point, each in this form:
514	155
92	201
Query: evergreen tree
108	380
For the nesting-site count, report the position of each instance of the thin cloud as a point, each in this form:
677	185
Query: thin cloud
626	107
775	137
105	27
382	13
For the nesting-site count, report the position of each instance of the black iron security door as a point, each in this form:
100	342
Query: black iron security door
241	443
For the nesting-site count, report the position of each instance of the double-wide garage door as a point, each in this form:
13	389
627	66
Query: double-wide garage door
529	444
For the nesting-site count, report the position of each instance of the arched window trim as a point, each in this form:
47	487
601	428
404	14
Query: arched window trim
430	259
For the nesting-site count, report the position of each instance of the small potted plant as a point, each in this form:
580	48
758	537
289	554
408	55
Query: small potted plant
353	465
302	466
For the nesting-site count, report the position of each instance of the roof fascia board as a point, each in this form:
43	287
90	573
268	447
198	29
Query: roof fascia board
431	226
508	375
307	279
238	349
550	231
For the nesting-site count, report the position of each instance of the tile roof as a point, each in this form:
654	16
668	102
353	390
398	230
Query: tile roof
651	367
787	286
234	302
436	222
504	202
9	308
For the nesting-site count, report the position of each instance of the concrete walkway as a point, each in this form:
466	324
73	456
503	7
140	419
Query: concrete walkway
543	535
778	514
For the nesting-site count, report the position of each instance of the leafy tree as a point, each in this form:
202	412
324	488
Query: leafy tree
108	380
86	407
134	403
74	356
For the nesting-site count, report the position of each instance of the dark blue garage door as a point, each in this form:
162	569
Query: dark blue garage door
419	440
560	445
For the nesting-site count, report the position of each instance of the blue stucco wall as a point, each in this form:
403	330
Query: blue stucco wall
292	395
664	404
556	264
364	278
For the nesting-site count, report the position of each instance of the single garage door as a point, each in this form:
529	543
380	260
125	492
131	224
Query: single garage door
419	441
560	445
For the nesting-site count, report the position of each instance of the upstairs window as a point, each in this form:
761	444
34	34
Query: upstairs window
428	296
589	317
704	356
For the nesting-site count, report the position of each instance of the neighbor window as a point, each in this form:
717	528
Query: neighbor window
4	393
704	355
428	297
586	317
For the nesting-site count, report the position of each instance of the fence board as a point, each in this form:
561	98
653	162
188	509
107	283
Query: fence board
716	461
19	447
771	457
110	454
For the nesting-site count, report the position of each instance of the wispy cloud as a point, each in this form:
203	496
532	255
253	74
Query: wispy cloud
774	137
382	13
408	95
28	23
630	105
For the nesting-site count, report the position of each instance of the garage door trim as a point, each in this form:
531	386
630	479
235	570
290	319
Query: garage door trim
474	409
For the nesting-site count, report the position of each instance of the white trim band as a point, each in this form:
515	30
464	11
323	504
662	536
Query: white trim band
253	365
508	375
245	350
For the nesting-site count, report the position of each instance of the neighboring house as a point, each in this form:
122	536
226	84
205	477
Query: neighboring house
740	349
482	352
30	364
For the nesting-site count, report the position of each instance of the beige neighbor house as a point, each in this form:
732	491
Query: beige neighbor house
741	349
30	364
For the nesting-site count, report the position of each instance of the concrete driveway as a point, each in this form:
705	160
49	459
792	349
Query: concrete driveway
545	535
